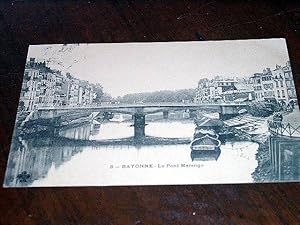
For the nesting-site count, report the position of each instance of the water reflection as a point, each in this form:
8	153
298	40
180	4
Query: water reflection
110	165
32	159
171	129
75	159
112	130
78	133
166	129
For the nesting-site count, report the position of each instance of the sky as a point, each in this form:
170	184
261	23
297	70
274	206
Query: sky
123	68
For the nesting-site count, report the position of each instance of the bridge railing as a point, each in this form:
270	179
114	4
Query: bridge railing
279	128
155	104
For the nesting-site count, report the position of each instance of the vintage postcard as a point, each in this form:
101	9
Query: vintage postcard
169	113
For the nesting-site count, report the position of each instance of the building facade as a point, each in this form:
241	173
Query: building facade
212	90
29	91
256	82
241	93
43	86
268	85
277	84
284	87
73	94
46	88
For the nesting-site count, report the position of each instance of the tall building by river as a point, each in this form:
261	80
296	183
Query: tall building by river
284	88
43	86
267	85
212	90
274	84
29	89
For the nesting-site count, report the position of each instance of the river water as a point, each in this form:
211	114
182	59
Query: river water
49	162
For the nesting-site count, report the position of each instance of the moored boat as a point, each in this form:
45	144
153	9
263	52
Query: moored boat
206	143
205	155
208	123
199	132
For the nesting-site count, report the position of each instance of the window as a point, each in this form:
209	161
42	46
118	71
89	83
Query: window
276	83
283	93
287	75
281	83
278	94
267	86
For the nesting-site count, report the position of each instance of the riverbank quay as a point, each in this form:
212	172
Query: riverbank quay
288	135
49	126
246	128
290	125
257	128
248	124
292	117
263	172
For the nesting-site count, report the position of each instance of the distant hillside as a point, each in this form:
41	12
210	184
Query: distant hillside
160	96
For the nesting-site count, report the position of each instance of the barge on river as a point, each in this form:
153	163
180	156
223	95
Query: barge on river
206	143
206	147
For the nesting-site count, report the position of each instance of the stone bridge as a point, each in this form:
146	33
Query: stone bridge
139	111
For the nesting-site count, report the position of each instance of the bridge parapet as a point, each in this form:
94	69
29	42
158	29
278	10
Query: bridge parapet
226	110
148	105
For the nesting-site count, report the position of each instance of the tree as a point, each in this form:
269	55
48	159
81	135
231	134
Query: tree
106	97
160	96
98	90
260	109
